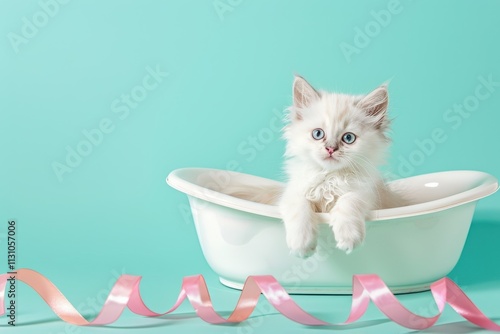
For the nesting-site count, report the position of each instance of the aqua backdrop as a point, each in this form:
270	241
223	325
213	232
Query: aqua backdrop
100	100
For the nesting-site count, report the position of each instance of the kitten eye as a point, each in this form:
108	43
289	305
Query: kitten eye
348	137
318	134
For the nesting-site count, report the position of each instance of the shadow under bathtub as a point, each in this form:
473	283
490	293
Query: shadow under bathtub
478	263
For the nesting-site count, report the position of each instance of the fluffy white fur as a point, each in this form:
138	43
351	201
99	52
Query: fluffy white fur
346	184
329	175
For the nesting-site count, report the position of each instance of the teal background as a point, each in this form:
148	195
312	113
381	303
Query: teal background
229	74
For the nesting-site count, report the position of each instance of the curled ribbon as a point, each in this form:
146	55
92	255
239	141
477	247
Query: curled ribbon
125	293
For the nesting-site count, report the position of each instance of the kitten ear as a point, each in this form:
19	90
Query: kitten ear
376	102
303	94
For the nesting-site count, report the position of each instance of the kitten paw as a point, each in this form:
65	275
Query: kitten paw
303	253
302	245
348	234
346	245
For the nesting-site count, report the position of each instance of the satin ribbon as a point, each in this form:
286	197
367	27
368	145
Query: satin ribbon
125	293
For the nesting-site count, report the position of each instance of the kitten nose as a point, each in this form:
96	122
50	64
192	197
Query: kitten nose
330	149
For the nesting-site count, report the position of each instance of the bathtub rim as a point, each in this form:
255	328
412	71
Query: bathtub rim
487	186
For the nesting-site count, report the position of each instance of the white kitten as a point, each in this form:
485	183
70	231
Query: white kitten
334	144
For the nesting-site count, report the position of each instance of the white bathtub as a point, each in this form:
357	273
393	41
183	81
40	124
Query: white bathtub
409	247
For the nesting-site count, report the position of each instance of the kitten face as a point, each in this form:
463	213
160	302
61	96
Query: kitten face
337	131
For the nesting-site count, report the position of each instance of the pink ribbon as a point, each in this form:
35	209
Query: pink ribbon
125	293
